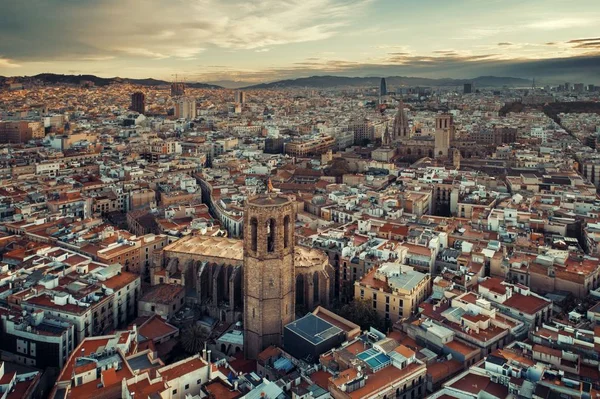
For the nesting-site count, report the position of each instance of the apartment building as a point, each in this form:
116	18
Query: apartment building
394	290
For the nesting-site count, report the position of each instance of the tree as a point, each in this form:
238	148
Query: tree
362	313
194	337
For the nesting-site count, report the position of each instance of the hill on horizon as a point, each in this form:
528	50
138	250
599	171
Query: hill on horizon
330	81
53	78
320	81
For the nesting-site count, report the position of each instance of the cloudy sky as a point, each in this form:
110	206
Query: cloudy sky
266	40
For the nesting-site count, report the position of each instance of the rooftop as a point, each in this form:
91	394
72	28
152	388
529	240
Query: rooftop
313	329
217	247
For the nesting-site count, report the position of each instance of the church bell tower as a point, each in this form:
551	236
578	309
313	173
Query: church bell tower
269	281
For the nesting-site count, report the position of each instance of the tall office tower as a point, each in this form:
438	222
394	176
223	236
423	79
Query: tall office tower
269	285
400	130
567	86
382	88
138	102
579	87
177	89
240	97
468	88
185	108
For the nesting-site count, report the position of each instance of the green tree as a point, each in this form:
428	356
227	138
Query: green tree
362	313
193	338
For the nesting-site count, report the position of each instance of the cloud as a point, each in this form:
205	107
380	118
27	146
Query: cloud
441	66
585	44
505	44
6	63
133	28
560	23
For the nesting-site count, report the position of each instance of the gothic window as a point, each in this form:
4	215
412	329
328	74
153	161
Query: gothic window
286	231
253	233
271	235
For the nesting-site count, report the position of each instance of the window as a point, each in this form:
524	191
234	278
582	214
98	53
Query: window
152	308
271	227
253	233
198	382
174	391
187	386
286	231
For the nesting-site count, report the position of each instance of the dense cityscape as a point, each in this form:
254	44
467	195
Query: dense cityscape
299	199
352	242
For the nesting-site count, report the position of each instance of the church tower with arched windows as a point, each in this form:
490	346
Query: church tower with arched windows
269	281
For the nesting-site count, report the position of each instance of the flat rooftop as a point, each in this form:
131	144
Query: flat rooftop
313	329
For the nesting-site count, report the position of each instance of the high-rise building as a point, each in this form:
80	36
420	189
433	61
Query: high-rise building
382	88
240	97
177	89
400	130
269	283
468	88
185	109
138	102
567	86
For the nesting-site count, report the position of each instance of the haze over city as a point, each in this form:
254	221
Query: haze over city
261	41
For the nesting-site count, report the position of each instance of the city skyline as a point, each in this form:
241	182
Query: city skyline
212	41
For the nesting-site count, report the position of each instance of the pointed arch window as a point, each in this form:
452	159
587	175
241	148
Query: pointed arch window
253	233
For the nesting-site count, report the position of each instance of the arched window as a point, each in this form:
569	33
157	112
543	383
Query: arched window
253	233
286	231
271	235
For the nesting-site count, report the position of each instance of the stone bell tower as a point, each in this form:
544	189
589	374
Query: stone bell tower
269	281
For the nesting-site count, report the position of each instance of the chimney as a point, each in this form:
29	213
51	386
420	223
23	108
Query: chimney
208	356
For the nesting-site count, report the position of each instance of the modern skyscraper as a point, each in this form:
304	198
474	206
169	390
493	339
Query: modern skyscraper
240	97
269	285
468	88
138	102
382	88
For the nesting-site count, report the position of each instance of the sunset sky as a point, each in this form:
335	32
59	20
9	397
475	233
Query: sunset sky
266	40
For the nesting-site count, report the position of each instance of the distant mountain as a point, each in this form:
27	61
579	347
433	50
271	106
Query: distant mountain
52	78
392	81
231	84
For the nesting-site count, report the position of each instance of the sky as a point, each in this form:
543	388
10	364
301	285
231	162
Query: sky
266	40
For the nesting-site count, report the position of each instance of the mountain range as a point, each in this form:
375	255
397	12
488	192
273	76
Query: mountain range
52	78
392	81
312	81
